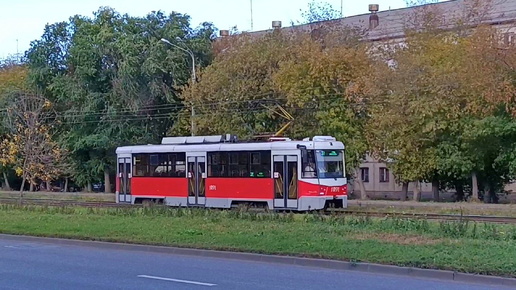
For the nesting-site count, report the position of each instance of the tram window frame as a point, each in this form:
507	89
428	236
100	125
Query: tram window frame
172	162
239	164
310	158
140	164
261	165
217	164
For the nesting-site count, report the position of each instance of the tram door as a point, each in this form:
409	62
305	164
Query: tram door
124	179
285	181
196	180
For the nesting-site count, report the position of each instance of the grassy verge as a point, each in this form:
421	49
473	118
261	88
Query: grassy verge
461	246
434	207
74	196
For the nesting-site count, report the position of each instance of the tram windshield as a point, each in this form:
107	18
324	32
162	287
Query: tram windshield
330	163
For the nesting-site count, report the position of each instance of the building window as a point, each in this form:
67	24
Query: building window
364	174
384	174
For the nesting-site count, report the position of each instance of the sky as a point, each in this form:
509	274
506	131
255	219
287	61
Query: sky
22	21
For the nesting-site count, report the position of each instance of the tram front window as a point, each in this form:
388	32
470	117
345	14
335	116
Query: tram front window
330	163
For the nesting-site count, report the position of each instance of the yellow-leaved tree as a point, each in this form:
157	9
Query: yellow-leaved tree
37	155
13	78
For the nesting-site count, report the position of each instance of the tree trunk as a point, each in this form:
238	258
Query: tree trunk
358	181
107	182
490	194
31	186
417	191
460	192
22	186
474	187
49	187
6	181
88	186
66	185
494	196
404	191
435	190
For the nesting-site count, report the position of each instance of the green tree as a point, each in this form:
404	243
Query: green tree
13	78
114	82
321	81
319	11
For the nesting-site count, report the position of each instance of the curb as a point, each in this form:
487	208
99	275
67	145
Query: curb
289	260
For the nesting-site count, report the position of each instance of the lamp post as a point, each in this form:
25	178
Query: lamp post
193	78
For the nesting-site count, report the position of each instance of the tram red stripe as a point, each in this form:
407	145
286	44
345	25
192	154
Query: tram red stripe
159	186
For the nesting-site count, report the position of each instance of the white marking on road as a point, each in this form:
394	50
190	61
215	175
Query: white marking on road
177	280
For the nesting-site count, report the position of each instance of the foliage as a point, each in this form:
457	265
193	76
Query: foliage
436	118
321	82
113	81
29	145
319	11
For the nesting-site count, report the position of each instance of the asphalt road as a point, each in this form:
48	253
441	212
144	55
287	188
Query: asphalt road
49	265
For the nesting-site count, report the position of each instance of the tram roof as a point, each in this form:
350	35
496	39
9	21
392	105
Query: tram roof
276	145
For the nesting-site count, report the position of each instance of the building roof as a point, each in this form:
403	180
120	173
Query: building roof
392	23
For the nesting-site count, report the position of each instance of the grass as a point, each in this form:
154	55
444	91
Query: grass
74	196
464	208
460	246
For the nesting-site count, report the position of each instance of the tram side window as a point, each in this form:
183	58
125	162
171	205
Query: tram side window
154	165
308	169
141	163
238	164
260	164
160	165
217	164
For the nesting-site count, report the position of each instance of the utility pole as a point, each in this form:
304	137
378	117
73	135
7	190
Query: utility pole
194	79
251	14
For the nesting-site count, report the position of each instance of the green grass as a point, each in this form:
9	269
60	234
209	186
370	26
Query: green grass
465	208
74	196
461	246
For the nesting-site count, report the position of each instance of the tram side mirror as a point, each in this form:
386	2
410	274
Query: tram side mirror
203	175
276	174
129	175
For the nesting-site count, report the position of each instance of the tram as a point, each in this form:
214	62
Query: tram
221	172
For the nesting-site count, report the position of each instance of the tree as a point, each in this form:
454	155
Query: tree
319	11
433	109
30	139
13	76
319	79
114	82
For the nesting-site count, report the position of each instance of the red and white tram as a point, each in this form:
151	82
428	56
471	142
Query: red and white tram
219	172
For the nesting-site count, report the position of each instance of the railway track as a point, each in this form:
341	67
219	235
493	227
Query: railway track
428	216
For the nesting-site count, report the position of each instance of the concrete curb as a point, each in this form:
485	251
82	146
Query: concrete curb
289	260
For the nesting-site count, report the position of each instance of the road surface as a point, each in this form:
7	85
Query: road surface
51	265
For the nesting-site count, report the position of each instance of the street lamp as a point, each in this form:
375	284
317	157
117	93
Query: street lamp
193	78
